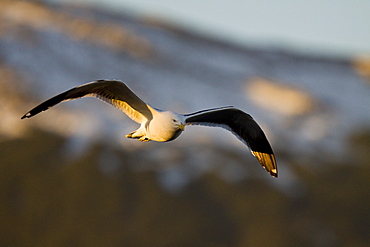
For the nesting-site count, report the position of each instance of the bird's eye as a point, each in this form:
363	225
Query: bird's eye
174	120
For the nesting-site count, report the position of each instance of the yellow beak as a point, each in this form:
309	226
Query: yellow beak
182	127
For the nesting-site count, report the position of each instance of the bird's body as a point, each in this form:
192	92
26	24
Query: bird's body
163	126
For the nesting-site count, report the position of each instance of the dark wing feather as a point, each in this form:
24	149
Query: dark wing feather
245	128
113	92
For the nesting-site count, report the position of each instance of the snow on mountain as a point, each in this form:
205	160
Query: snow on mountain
176	70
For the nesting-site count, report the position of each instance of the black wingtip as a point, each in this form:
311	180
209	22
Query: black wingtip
268	162
275	175
272	172
27	115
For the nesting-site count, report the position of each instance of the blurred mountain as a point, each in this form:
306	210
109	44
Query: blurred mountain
70	177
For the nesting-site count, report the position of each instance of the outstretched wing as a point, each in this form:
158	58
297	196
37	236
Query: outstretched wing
113	92
244	127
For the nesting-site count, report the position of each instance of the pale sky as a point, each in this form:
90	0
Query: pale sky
329	27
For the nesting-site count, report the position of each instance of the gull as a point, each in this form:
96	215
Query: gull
163	126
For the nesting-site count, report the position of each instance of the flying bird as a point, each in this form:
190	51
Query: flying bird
163	126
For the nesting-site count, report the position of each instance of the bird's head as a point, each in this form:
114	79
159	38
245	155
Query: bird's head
178	122
166	126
